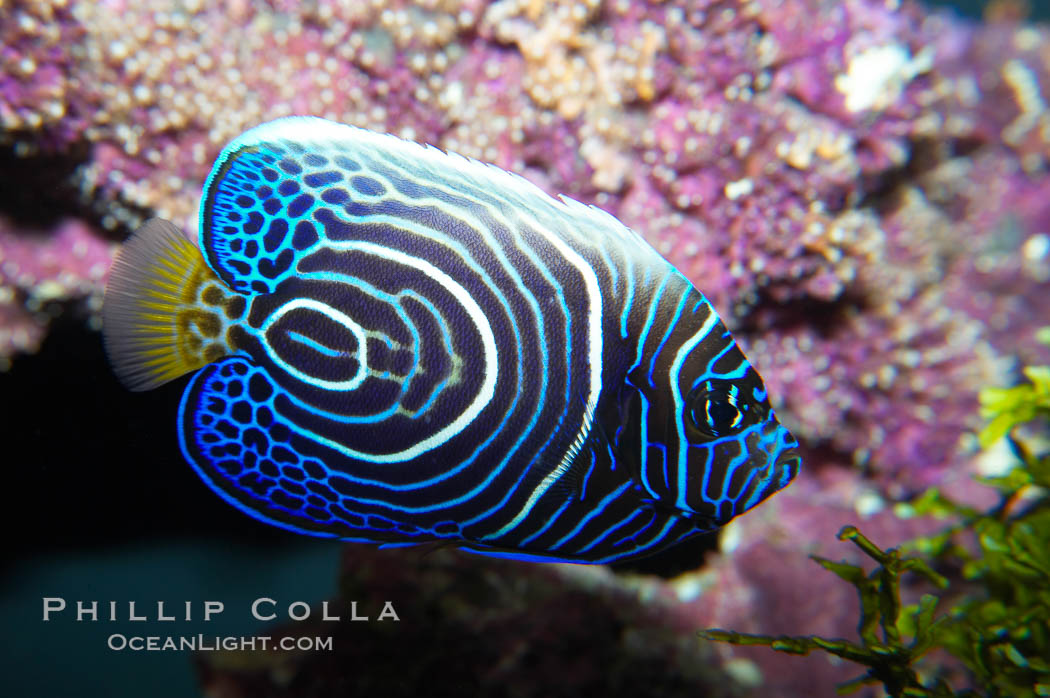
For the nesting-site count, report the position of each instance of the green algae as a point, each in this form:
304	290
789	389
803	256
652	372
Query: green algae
990	610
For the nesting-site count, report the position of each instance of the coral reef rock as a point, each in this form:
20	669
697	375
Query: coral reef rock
480	627
859	187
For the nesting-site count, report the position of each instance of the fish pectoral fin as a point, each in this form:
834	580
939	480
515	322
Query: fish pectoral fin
569	479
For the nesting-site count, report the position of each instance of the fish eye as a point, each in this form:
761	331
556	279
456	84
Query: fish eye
719	412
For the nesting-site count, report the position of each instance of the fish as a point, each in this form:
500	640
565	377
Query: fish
396	345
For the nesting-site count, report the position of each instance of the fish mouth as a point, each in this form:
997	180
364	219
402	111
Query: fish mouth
790	461
779	475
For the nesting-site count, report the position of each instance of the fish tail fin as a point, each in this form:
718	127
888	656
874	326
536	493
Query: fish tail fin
165	312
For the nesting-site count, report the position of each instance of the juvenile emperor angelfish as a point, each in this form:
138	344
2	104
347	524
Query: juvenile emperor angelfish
397	345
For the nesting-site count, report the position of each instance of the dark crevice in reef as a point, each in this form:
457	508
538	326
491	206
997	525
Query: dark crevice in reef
92	464
825	456
928	153
40	190
825	317
882	190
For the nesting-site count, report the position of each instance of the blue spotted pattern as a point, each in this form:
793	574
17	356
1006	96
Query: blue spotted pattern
434	349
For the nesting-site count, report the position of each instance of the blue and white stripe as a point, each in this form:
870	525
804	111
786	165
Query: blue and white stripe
434	349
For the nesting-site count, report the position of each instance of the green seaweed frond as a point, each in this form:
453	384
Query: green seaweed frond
993	615
892	636
1009	407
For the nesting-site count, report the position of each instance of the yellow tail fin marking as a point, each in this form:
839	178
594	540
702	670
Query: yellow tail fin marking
163	312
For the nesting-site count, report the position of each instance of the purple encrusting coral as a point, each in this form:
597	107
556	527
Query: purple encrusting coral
861	188
39	268
855	187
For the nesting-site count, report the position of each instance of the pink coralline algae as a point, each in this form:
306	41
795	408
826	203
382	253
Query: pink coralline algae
38	269
860	187
856	186
37	73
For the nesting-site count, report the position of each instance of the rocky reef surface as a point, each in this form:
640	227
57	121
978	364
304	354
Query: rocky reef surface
861	188
488	627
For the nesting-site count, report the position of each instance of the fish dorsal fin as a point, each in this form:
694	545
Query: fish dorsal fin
255	211
277	191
